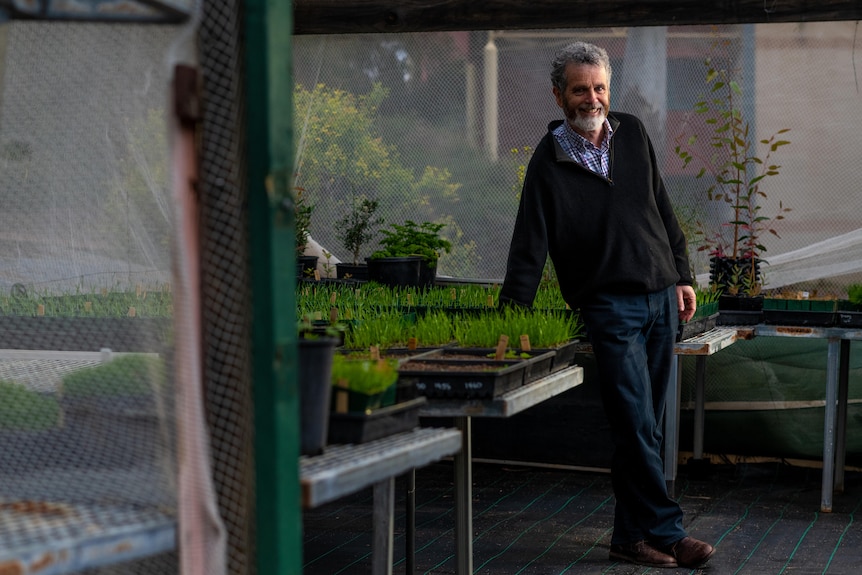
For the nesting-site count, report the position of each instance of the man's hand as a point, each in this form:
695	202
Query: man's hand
686	302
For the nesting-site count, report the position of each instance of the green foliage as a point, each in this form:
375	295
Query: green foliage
520	167
308	328
464	255
704	296
412	239
340	148
125	375
544	329
742	280
386	329
339	145
302	210
364	376
24	409
155	302
854	293
433	329
736	172
358	226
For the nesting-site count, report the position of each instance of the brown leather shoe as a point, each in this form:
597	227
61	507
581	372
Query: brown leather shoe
691	552
642	553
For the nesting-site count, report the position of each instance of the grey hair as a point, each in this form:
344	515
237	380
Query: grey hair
578	53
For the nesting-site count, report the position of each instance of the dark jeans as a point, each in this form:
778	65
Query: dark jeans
633	338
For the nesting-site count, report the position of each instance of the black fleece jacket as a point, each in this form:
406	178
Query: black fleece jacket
612	235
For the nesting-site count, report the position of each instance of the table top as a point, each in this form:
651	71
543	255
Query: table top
852	333
709	342
345	469
60	537
509	403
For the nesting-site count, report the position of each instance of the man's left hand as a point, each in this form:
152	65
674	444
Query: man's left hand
686	302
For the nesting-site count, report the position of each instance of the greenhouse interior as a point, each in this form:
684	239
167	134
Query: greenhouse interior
199	196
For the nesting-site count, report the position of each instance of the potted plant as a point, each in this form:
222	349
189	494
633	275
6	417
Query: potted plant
362	384
365	405
799	308
355	230
302	210
409	254
737	175
30	432
316	352
850	310
705	316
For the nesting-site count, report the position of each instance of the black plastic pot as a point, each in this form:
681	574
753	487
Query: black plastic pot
395	271
357	272
305	266
722	269
427	274
315	392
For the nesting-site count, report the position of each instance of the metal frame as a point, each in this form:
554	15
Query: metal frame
137	11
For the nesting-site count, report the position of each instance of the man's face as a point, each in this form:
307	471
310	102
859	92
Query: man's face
586	98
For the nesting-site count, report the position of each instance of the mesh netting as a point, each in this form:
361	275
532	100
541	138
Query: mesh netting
88	468
438	126
423	150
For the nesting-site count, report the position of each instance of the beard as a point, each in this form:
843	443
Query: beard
589	123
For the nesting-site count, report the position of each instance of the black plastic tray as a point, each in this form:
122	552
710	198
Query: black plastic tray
799	317
360	427
442	375
848	318
696	327
564	355
739	317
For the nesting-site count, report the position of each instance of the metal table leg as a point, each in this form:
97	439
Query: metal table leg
832	362
464	500
699	405
410	529
383	517
841	422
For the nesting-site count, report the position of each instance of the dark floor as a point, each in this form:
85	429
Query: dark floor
763	518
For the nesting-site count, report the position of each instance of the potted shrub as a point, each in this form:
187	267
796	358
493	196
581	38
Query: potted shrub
302	210
409	254
355	230
737	175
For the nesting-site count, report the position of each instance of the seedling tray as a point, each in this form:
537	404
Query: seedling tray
696	327
467	374
360	427
739	317
799	317
564	355
849	318
539	363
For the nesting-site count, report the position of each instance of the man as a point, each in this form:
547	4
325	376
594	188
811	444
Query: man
594	200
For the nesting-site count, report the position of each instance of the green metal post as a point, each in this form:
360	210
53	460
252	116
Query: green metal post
268	29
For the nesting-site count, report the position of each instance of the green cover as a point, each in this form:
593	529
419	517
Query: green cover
765	397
